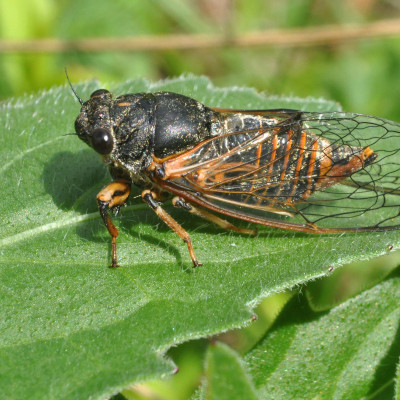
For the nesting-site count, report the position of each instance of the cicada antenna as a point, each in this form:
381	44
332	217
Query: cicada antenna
72	88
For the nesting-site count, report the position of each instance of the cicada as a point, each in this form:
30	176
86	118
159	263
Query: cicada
313	172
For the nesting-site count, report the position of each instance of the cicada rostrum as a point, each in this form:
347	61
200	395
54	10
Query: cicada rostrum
311	172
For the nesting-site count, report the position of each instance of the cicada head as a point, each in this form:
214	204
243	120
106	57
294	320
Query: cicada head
119	129
93	124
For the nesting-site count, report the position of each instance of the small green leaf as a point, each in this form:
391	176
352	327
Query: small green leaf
349	352
226	376
344	283
397	390
70	327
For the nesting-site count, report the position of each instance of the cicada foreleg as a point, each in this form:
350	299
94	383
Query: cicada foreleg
150	198
181	203
112	197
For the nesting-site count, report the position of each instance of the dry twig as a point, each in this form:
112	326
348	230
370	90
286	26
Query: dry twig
310	36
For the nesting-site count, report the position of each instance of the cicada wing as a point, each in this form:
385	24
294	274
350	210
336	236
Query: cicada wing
328	170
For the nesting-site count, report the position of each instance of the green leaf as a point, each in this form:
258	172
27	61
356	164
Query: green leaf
344	283
349	352
397	391
70	327
226	376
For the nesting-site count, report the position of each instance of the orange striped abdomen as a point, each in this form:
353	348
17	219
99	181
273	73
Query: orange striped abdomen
303	163
324	164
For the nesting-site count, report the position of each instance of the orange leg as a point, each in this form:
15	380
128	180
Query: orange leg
149	197
113	196
181	203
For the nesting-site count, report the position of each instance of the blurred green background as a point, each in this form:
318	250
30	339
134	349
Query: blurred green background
362	75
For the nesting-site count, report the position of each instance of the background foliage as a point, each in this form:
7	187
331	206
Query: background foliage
362	76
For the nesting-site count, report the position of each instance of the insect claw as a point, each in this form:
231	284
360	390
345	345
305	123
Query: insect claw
197	264
116	210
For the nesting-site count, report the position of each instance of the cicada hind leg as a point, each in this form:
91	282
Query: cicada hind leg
150	198
112	197
181	203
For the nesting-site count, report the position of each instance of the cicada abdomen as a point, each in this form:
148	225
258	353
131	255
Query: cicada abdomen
287	162
322	170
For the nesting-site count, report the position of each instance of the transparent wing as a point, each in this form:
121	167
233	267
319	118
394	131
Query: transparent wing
330	170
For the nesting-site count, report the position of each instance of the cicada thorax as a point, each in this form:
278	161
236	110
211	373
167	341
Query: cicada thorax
261	160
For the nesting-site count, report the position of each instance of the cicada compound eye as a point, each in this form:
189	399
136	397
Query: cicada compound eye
102	141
